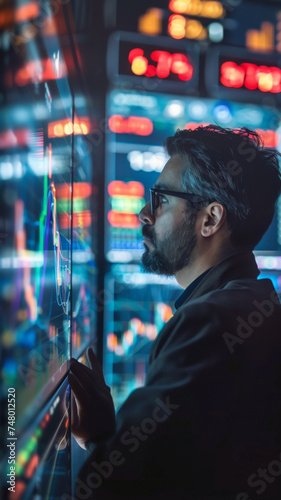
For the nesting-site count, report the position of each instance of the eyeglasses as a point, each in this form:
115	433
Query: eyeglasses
155	201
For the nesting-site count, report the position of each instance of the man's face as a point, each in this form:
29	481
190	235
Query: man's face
170	233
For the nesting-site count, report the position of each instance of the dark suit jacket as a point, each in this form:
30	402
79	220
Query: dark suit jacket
207	422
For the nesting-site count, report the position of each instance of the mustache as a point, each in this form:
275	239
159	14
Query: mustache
147	232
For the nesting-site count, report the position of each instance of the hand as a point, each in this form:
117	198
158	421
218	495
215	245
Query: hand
93	413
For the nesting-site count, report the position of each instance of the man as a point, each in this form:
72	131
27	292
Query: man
207	422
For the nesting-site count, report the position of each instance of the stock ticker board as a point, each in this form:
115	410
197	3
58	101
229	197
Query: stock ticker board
240	23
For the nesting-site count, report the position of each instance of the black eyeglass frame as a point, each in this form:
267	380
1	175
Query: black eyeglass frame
193	198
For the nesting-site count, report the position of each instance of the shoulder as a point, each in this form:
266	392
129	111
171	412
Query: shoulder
234	296
241	307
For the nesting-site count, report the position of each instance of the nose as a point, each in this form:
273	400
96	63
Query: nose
145	215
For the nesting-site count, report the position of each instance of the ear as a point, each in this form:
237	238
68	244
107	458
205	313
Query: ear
213	218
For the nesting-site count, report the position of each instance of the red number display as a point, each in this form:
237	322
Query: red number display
251	76
166	63
138	125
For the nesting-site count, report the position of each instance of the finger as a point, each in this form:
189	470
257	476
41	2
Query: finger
91	381
74	411
94	362
88	378
84	374
78	391
74	362
75	418
91	357
95	370
83	370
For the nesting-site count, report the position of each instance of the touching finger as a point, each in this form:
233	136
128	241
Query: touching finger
74	410
78	391
94	363
87	377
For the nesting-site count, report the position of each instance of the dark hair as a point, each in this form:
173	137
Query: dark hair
233	167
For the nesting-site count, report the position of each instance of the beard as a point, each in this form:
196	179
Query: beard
173	252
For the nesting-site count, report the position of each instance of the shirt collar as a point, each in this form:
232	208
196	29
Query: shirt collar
185	294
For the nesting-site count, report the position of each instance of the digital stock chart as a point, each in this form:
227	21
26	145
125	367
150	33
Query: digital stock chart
47	265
